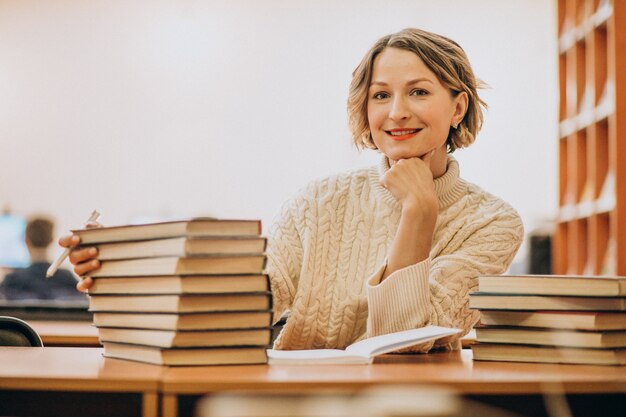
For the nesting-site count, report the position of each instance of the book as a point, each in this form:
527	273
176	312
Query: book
552	337
185	321
553	285
181	247
583	320
198	338
361	352
186	356
191	227
547	354
177	284
184	303
218	264
487	301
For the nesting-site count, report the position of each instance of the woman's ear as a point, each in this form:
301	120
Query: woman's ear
460	107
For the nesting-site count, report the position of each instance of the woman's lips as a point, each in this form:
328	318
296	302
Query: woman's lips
402	134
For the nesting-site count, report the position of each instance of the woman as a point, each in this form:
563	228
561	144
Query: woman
400	245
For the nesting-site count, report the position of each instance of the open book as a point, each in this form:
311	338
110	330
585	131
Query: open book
361	352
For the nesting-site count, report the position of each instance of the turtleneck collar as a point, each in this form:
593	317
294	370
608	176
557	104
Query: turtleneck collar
449	187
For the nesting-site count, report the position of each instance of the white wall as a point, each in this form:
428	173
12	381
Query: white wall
181	108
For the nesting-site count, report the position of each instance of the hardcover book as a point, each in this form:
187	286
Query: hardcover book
553	285
218	264
187	338
191	227
490	301
547	354
186	356
583	320
180	284
552	337
181	247
185	303
185	321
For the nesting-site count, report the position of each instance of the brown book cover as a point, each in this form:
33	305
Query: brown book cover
185	303
218	264
185	321
180	284
552	337
553	285
490	301
235	355
547	354
182	247
190	227
187	338
583	320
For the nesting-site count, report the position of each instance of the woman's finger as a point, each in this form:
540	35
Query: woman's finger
81	255
69	241
85	268
84	284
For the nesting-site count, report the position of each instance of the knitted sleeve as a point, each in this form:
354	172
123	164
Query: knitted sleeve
284	255
436	291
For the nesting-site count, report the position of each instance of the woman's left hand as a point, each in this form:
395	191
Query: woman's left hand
411	183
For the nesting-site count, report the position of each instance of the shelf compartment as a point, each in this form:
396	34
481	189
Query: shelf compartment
560	245
598	157
582	94
562	87
576	166
599	61
563	184
599	234
577	246
582	10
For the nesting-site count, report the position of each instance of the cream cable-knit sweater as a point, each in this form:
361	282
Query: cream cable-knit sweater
327	252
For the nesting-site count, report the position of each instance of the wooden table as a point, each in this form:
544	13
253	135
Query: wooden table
56	381
66	333
62	381
498	382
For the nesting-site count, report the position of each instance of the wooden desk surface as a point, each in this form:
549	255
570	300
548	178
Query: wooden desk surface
452	369
83	369
66	333
66	369
73	369
55	381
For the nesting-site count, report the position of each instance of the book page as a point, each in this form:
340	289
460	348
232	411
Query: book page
361	352
378	345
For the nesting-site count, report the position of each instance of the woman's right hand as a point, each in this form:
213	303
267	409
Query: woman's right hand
84	260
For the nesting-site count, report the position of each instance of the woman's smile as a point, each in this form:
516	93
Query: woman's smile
402	134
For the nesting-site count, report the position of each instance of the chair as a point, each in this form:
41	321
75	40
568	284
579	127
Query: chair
16	332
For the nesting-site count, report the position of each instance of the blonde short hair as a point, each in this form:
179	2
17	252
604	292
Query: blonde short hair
442	56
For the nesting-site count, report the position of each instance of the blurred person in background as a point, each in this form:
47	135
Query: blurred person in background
31	282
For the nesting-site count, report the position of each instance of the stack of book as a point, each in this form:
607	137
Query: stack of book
181	293
551	318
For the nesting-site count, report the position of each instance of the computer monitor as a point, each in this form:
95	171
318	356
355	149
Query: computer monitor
13	252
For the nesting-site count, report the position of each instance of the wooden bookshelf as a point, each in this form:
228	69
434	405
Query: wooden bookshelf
591	229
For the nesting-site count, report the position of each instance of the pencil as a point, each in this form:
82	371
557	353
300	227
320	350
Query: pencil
56	264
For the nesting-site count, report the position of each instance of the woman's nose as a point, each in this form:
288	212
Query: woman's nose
399	109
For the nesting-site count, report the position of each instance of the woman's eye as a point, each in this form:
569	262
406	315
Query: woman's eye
419	92
380	96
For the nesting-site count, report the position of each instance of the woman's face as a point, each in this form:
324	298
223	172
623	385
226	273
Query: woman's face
409	111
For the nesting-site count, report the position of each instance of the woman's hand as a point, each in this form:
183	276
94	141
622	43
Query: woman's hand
84	260
411	183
